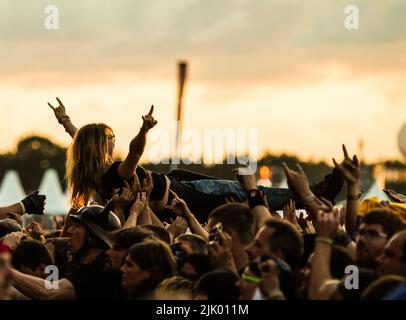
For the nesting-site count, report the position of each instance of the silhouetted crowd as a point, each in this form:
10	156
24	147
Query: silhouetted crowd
137	234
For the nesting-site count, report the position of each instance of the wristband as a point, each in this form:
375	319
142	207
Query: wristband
309	199
63	118
354	197
4	248
255	198
324	240
23	207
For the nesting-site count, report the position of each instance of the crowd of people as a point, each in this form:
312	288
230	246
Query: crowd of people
136	234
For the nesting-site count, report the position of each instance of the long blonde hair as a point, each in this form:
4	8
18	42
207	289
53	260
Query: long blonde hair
86	159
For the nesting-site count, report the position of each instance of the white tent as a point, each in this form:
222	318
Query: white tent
375	191
11	190
56	203
283	184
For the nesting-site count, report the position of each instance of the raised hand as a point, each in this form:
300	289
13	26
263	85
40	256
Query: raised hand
396	197
269	285
147	184
247	181
178	206
289	212
350	168
13	239
148	120
34	203
60	111
125	197
140	203
177	227
327	223
220	251
297	181
34	230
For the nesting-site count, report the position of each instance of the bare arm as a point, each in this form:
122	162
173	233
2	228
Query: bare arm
35	288
154	219
327	226
16	208
180	208
144	218
34	203
63	118
260	212
320	271
350	168
194	225
127	167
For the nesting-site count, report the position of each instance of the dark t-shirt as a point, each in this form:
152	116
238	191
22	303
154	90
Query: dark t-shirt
94	280
111	180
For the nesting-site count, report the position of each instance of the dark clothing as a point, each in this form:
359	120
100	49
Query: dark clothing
94	280
111	180
201	204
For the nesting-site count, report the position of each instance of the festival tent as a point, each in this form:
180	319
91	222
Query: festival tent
56	202
11	189
375	191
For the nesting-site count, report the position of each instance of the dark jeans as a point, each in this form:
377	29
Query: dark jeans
205	193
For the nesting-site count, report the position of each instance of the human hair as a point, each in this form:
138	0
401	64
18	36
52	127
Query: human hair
236	217
61	252
8	226
365	278
173	286
389	221
159	231
31	253
127	237
218	285
197	243
200	262
287	239
87	156
378	289
155	257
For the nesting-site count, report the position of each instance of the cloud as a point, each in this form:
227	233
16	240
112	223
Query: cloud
226	42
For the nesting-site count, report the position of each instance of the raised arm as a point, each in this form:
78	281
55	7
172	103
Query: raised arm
32	204
351	171
137	146
179	207
327	227
63	118
298	183
260	211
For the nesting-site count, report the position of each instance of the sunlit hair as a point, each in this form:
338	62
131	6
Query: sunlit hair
87	156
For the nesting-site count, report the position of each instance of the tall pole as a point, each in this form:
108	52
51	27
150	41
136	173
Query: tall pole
182	68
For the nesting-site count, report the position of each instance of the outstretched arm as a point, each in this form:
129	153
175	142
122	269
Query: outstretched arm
32	204
36	288
63	118
137	146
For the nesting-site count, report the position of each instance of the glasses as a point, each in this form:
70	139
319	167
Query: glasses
371	234
111	137
251	278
